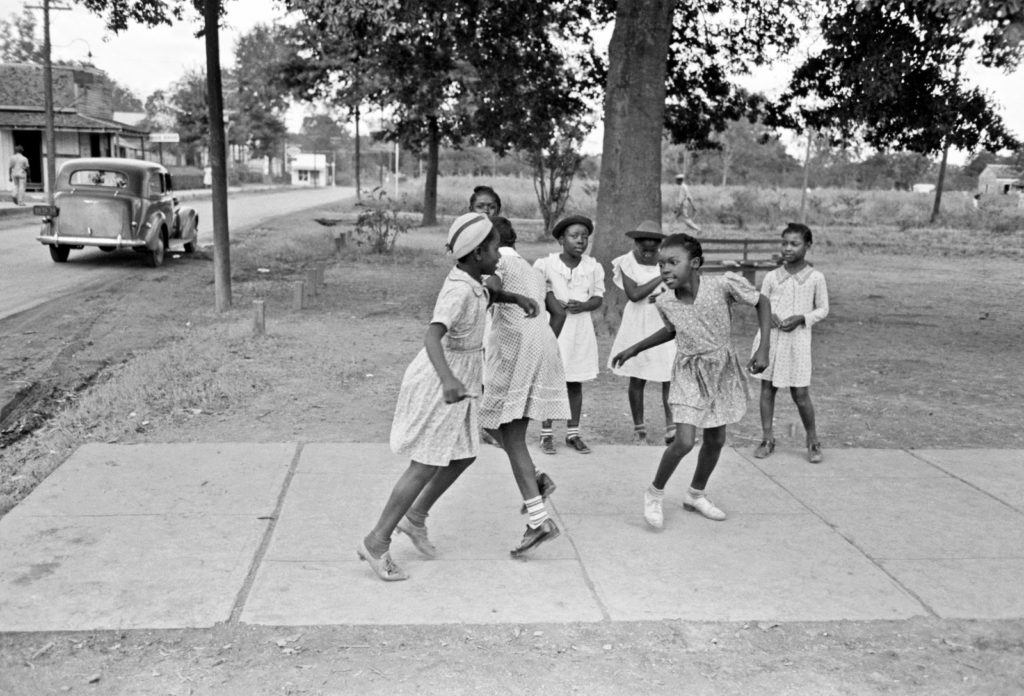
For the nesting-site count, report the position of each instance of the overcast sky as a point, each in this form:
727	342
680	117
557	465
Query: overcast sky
146	59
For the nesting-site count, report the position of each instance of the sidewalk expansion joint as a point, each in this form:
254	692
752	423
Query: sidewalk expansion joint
964	481
587	580
849	540
268	534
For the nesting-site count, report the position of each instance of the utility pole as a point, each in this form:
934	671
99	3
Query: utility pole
218	165
49	129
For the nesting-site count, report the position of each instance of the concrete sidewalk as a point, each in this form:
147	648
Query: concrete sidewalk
189	535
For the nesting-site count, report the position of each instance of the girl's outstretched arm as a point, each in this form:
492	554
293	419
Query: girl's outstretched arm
453	389
528	305
759	361
662	335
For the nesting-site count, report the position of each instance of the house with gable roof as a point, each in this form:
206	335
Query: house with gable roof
83	116
1000	178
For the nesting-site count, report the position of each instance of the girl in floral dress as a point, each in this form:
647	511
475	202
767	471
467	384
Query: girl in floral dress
709	389
637	274
436	420
524	380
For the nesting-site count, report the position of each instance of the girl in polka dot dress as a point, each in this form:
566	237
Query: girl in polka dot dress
709	389
524	380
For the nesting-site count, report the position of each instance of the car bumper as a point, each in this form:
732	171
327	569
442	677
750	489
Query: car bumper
118	242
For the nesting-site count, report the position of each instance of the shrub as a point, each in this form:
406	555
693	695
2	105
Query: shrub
379	225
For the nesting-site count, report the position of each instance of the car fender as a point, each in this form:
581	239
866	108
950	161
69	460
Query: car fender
151	232
188	223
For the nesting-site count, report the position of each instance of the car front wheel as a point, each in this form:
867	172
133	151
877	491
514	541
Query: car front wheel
59	252
155	257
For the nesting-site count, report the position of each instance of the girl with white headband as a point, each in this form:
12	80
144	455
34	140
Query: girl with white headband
436	420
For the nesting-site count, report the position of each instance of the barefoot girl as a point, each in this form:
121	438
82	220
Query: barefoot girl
575	288
524	379
708	389
436	419
638	275
797	292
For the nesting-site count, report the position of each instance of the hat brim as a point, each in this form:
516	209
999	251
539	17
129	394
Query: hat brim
565	223
640	234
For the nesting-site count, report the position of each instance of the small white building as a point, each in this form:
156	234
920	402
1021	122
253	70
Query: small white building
1000	178
311	169
924	188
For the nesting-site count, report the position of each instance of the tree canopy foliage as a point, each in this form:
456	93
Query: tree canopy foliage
445	71
891	75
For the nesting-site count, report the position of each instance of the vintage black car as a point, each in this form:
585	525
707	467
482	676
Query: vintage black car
115	204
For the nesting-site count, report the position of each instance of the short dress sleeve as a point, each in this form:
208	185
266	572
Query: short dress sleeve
451	304
597	276
739	289
619	267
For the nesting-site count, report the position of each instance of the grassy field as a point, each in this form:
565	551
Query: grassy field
765	209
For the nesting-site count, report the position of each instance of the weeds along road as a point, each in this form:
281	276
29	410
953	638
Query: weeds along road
29	278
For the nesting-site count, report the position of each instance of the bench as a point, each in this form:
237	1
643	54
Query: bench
743	256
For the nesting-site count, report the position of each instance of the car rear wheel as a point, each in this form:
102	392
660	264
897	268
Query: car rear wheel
59	252
108	249
155	257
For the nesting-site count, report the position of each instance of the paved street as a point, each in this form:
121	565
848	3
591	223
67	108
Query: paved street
179	535
30	278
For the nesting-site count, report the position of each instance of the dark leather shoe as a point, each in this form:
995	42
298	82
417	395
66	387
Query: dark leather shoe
533	538
577	443
547	444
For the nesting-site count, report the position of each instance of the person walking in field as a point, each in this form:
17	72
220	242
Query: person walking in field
639	277
436	420
575	288
684	206
799	299
709	389
523	380
18	174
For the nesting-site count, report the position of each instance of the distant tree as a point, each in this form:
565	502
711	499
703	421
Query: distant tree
261	96
442	70
891	75
191	115
123	98
19	38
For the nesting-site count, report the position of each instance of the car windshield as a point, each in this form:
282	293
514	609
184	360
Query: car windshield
98	177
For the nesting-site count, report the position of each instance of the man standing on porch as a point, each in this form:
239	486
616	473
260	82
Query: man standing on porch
18	173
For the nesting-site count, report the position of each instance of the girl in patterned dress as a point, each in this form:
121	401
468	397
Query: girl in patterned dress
709	389
637	274
575	288
436	420
799	294
524	379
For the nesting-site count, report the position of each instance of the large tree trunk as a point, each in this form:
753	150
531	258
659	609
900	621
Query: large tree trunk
634	119
430	185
